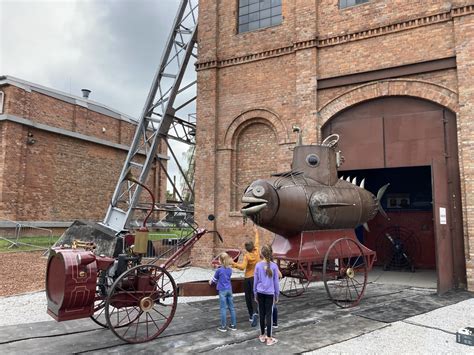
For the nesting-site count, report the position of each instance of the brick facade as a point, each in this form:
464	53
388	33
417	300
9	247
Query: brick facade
269	77
60	161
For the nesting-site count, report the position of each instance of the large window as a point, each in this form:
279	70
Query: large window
255	14
347	3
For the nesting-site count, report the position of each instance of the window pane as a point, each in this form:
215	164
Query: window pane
265	13
265	22
244	10
276	2
244	28
253	25
253	16
265	4
243	2
276	20
276	10
253	1
253	7
243	19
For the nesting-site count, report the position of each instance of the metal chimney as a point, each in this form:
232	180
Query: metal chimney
85	93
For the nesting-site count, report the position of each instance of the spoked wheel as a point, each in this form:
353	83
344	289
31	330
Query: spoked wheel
345	272
294	284
141	303
99	313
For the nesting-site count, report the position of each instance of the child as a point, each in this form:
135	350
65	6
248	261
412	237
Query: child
266	288
251	258
224	287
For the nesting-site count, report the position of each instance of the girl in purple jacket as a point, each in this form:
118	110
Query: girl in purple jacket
266	289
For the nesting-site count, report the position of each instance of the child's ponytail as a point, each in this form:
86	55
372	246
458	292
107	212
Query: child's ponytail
267	254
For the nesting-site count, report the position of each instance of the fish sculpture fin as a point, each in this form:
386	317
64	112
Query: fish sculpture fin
334	204
366	227
379	198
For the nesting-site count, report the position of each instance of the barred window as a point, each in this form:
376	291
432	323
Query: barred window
348	3
255	14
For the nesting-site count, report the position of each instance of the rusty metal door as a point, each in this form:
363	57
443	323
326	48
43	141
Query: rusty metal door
442	222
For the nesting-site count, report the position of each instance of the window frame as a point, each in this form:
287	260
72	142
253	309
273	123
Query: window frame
349	6
256	24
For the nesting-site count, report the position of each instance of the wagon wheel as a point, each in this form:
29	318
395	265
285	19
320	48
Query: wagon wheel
293	284
141	303
345	272
99	313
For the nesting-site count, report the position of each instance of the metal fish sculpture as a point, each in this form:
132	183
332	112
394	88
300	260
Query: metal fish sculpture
310	196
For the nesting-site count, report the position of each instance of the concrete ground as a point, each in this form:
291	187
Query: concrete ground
400	313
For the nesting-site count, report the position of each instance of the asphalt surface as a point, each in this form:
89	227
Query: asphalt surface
391	319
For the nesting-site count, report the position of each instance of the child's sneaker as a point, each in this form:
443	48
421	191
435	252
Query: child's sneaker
222	329
232	327
254	320
271	341
262	338
275	326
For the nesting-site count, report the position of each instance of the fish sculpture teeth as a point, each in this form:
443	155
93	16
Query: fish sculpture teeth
362	183
354	181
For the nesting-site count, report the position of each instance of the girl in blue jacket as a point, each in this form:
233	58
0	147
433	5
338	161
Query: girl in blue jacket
224	287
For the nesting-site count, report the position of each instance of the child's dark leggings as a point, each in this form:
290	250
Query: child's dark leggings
265	307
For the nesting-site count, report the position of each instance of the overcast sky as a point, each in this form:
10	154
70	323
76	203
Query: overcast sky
111	47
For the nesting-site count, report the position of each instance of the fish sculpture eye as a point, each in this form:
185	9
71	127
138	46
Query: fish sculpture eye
258	191
312	160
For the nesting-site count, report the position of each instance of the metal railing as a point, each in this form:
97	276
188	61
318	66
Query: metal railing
21	236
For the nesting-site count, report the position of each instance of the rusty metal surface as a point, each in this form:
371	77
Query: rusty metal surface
309	197
401	132
202	288
362	143
413	139
313	245
444	251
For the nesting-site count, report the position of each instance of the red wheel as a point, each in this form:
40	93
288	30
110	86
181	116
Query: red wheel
294	283
141	303
345	272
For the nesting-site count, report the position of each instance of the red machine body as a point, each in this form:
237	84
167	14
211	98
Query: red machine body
71	280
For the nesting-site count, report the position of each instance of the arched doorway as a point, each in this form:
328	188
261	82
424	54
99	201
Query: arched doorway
411	143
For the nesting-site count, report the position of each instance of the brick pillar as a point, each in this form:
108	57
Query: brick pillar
306	66
206	133
464	47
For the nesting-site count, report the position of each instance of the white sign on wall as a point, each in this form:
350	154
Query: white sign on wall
442	215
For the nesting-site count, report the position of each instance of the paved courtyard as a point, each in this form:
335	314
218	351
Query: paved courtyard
307	323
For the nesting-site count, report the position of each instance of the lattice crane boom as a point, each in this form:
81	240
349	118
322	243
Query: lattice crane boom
159	119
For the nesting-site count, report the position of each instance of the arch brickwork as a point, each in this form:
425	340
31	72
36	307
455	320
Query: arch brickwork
392	87
253	116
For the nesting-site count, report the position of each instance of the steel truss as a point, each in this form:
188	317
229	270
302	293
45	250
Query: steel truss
167	115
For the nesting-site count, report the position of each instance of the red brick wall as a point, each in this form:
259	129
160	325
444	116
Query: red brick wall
276	69
61	178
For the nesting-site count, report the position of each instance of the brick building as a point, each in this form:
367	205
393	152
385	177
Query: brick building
394	78
60	156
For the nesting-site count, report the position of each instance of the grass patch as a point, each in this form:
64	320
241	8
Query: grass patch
26	243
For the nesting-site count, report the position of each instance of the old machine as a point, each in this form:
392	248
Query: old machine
98	270
313	214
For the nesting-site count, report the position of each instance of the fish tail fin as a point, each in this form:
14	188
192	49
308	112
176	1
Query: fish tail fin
379	198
